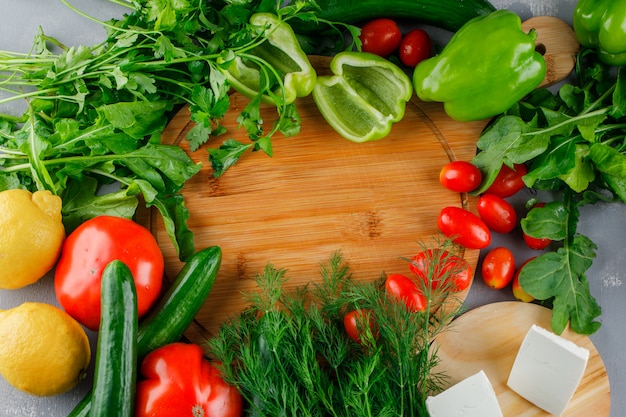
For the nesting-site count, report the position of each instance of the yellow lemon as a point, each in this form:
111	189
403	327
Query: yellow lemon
32	235
43	351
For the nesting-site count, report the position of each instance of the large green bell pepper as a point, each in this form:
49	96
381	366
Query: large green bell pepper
487	66
278	61
364	97
601	25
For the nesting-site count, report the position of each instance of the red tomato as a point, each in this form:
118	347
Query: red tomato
415	47
509	181
176	380
536	243
498	268
460	176
464	227
518	291
89	248
497	213
381	37
355	321
434	264
403	288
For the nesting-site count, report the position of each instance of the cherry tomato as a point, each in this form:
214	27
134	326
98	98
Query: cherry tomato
414	48
464	227
536	243
460	176
497	213
403	288
509	181
381	37
518	291
354	322
91	247
498	268
434	264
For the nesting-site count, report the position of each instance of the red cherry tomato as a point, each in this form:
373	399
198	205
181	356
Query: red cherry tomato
518	291
85	253
414	48
509	181
405	289
536	243
464	227
355	321
460	176
434	264
498	268
497	213
381	37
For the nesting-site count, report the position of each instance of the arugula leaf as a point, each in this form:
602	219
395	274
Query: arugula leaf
560	275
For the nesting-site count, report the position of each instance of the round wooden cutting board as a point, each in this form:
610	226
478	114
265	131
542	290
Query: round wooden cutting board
488	338
376	202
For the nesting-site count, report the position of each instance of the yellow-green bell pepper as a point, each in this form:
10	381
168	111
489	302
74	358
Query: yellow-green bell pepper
486	67
278	60
364	97
601	25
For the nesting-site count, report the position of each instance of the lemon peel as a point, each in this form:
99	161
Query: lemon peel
32	235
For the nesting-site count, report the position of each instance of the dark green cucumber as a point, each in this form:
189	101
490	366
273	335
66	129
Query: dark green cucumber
116	354
175	309
445	14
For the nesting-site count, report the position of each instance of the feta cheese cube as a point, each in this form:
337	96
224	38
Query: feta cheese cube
472	397
547	370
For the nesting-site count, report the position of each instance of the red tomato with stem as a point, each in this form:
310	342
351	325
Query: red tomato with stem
460	176
441	269
381	37
176	380
405	289
464	227
414	48
518	291
498	268
89	249
356	323
497	213
508	181
536	243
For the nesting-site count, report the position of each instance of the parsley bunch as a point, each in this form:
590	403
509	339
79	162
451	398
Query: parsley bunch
289	354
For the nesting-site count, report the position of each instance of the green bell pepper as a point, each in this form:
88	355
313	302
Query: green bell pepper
277	61
487	66
363	98
601	25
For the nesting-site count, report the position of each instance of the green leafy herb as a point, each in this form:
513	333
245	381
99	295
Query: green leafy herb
288	354
574	143
96	113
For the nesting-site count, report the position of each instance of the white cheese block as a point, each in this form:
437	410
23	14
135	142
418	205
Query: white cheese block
472	397
547	370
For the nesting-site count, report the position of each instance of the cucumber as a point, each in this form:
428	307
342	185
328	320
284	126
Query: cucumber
445	14
116	354
174	311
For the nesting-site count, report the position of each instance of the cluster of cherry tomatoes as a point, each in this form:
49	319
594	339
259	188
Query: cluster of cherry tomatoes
383	37
495	214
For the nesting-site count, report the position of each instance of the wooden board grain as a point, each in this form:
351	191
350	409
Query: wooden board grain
376	202
489	338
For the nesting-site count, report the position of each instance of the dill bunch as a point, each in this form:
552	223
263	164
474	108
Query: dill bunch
289	354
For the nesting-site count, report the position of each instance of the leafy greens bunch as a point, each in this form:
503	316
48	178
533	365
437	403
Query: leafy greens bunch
574	143
95	114
289	354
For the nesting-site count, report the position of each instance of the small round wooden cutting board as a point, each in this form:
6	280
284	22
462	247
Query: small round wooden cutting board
488	338
376	202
